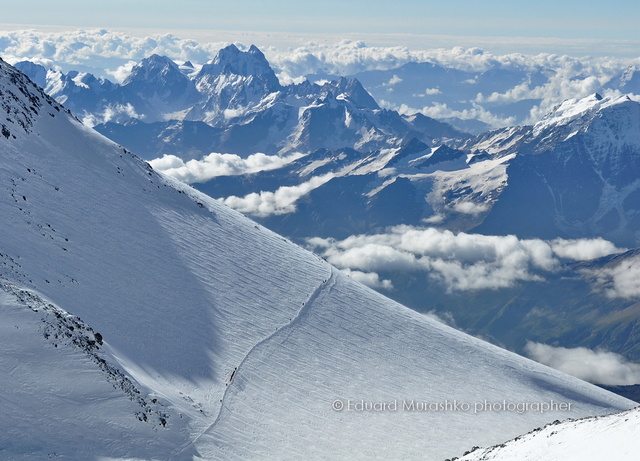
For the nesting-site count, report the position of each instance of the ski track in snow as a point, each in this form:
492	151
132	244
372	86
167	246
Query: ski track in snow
324	287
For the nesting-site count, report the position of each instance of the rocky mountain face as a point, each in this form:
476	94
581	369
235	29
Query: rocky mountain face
576	174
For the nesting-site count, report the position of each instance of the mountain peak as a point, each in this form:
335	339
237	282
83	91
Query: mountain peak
576	112
230	60
36	72
353	90
153	68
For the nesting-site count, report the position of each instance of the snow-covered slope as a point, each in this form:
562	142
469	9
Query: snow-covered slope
574	175
605	437
143	320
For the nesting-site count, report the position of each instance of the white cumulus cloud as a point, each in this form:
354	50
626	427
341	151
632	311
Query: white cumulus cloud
459	261
584	249
470	208
216	164
599	366
370	279
282	201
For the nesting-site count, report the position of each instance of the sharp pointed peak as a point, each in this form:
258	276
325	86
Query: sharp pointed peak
231	48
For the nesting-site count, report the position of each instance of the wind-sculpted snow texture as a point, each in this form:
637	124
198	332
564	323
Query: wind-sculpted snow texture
234	342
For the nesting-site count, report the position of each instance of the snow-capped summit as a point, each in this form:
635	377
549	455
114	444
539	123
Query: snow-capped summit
575	115
161	85
574	173
36	72
232	61
352	89
153	71
143	320
234	86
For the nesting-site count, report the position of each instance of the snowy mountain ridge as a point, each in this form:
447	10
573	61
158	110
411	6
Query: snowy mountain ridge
239	338
582	162
238	104
571	176
607	437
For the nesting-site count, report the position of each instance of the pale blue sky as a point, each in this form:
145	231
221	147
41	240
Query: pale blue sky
560	19
613	19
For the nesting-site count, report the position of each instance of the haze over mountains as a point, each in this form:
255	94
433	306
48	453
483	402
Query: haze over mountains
149	321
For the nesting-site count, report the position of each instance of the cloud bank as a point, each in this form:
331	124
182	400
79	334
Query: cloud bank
598	367
102	52
216	164
460	262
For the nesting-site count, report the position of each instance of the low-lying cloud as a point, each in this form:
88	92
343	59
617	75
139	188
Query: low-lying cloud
598	367
583	249
621	279
216	164
460	261
370	279
282	201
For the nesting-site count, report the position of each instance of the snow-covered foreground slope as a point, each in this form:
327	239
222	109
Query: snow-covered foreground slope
604	437
142	320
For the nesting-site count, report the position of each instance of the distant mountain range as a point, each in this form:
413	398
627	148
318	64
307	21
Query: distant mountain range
511	93
233	104
572	175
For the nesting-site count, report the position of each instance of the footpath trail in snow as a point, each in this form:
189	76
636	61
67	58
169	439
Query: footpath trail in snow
324	287
350	345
